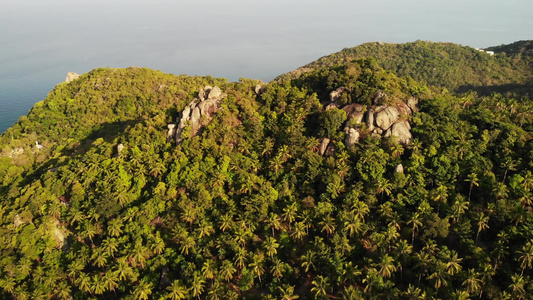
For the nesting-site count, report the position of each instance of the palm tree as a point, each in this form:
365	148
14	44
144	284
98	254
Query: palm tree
176	291
299	231
308	260
110	279
472	178
459	208
328	224
526	256
226	221
257	265
274	222
439	276
114	227
509	164
287	292
320	287
289	213
453	265
482	223
517	287
271	246
227	270
472	282
402	250
84	282
197	287
387	266
360	209
415	223
143	290
277	268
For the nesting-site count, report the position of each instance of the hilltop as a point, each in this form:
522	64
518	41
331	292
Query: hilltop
361	175
452	66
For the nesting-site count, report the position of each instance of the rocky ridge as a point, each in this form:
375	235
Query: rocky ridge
380	121
197	114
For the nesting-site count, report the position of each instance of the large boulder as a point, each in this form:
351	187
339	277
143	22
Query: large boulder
370	119
198	111
323	146
401	130
399	168
379	97
385	117
354	112
71	76
352	137
215	93
336	94
412	103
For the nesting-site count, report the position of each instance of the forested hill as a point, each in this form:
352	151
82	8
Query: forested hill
347	181
455	67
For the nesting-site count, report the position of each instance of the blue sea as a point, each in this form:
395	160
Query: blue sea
40	41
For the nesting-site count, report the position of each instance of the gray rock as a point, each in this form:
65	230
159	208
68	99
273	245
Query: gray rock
403	109
402	130
379	96
399	169
386	117
17	221
323	146
201	94
354	112
370	119
171	132
332	105
352	137
336	94
258	89
412	103
215	93
208	107
71	76
195	121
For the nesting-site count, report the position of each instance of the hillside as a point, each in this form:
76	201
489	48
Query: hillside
342	180
448	65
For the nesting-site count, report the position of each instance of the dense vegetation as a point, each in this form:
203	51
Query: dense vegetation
447	65
249	209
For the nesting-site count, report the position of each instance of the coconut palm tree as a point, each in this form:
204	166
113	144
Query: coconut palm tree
320	287
176	291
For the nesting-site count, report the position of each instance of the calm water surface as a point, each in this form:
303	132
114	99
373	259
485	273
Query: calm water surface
40	41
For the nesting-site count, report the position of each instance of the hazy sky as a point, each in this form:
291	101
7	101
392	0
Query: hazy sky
236	38
43	40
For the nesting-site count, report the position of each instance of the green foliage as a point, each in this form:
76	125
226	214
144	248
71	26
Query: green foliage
248	208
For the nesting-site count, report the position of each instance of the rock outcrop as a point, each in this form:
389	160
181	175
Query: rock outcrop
399	168
401	130
386	116
383	121
352	136
323	146
71	76
197	114
336	94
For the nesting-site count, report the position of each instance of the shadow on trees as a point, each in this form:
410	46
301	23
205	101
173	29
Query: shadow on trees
525	90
